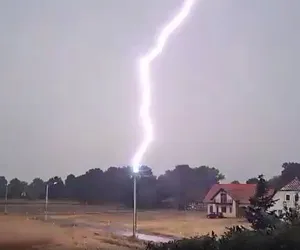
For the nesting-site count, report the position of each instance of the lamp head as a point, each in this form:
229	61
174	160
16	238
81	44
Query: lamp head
135	168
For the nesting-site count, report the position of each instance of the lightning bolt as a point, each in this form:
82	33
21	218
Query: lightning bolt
145	80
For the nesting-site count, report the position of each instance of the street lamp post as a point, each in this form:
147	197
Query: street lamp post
46	200
134	224
6	194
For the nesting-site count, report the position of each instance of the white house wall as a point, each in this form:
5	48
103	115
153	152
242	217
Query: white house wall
217	207
281	197
218	197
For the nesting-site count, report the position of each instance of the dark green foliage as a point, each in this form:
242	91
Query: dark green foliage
258	213
252	181
70	185
239	238
16	188
291	216
285	236
282	237
262	199
3	183
289	172
175	188
56	188
36	189
183	184
205	242
275	182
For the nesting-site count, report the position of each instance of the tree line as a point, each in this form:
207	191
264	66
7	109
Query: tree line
289	171
174	188
115	185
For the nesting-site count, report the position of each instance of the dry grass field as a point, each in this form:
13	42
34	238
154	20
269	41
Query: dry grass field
185	224
166	223
18	232
97	227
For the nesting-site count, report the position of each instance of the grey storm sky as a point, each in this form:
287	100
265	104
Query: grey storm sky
225	90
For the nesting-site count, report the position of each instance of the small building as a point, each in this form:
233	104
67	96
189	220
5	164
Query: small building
288	196
229	199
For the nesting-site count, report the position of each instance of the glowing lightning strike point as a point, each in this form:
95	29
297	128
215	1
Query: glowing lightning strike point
144	68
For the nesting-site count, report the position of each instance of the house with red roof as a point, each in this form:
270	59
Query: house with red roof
229	199
288	196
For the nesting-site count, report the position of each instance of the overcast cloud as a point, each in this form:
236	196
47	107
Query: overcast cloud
225	92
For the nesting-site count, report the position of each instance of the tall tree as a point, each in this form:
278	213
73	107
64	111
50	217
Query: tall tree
119	179
258	213
185	184
115	185
88	187
36	189
146	188
289	172
56	188
70	189
275	182
16	188
3	183
252	181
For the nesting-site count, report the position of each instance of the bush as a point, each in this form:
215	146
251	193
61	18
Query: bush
286	236
206	242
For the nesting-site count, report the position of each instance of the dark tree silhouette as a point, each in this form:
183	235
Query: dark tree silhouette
176	187
184	184
70	185
252	181
275	182
258	213
115	185
36	189
3	183
16	188
289	172
56	188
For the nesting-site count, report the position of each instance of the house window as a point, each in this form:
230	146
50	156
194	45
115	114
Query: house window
223	209
287	197
279	212
223	198
211	208
297	197
230	209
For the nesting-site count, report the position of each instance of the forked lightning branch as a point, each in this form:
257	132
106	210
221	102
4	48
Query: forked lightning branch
144	65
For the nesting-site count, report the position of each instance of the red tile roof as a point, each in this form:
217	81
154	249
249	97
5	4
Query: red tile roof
294	185
238	192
